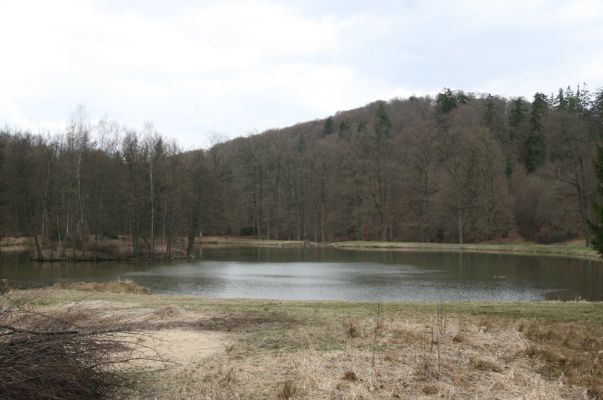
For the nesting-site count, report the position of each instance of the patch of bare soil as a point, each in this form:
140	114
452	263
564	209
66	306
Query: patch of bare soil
158	348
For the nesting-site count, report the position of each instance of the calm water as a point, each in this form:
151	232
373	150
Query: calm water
331	274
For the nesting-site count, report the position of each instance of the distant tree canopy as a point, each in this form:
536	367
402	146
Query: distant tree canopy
459	167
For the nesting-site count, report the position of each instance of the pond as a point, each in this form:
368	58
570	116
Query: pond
334	274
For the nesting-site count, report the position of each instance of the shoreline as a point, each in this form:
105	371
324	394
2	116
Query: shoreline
571	251
564	250
127	290
568	250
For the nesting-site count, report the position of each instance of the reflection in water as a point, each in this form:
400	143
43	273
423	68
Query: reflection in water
332	274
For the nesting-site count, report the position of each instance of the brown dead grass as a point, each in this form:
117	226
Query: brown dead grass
229	350
242	322
350	376
288	391
484	364
125	286
488	364
352	329
568	352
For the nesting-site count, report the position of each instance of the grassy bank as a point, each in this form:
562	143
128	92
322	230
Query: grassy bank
253	349
512	248
244	241
118	249
570	250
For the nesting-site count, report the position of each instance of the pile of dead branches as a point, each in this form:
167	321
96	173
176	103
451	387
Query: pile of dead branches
67	354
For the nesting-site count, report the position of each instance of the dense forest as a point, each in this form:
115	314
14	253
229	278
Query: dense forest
459	167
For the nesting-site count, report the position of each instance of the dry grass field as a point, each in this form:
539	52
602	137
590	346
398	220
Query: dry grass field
243	349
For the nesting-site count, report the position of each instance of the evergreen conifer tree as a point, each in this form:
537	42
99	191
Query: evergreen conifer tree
328	128
596	226
534	150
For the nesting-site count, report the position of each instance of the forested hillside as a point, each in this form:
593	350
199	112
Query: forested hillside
454	168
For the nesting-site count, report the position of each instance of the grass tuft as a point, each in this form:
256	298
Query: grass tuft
350	376
288	391
484	364
353	330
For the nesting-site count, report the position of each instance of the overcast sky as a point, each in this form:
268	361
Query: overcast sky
195	68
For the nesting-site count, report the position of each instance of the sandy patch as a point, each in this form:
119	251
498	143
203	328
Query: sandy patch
176	346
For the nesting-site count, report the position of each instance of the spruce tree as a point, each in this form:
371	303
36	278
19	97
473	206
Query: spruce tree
301	143
597	112
560	101
448	100
344	130
534	150
328	127
518	121
445	101
383	123
518	112
490	110
596	225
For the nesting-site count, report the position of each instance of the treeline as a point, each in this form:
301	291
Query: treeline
456	168
69	191
459	167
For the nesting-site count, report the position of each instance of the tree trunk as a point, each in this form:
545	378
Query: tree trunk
322	223
460	224
191	243
39	253
152	246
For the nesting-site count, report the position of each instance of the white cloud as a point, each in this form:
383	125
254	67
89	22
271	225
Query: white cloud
12	117
403	92
198	67
135	66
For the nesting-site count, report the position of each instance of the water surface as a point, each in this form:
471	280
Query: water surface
334	274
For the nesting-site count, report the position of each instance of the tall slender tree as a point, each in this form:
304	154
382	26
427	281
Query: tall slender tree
596	225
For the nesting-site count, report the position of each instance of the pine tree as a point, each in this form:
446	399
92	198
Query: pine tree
539	106
445	101
383	123
448	100
490	110
534	150
518	112
518	122
301	143
344	130
596	226
560	101
328	127
597	112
